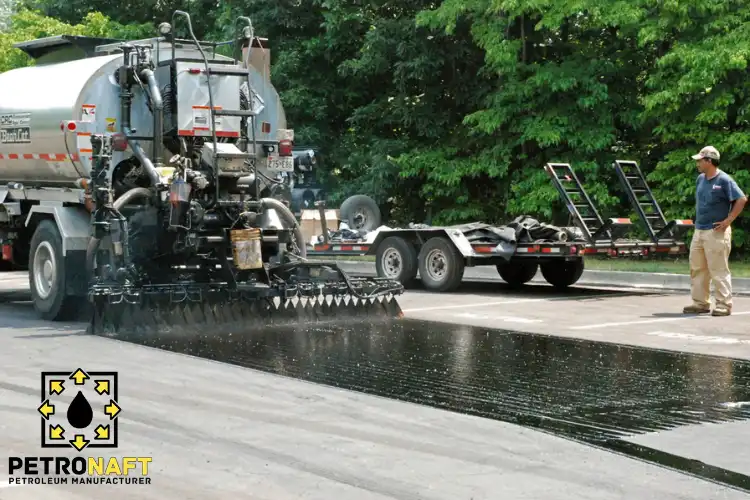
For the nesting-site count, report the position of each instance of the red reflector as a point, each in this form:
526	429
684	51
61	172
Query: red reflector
7	252
194	71
119	142
285	148
71	125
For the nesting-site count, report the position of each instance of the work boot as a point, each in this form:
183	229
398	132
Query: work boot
696	310
721	311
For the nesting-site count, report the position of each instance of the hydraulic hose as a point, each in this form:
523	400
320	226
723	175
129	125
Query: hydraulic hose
290	220
93	245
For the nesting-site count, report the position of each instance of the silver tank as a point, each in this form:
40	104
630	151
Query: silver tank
36	100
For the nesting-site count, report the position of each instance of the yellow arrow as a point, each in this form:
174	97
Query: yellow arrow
102	432
112	409
56	432
102	386
79	442
56	386
46	409
79	376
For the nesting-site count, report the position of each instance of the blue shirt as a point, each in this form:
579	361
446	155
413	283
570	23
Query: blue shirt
714	198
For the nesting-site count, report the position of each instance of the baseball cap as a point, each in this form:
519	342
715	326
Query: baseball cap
707	152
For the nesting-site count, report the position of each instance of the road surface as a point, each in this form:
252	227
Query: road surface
216	430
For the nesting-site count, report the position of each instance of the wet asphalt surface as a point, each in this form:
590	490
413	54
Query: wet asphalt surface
593	392
605	395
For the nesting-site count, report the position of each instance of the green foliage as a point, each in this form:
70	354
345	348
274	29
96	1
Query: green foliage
447	111
28	25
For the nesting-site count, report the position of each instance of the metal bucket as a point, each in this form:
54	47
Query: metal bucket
246	248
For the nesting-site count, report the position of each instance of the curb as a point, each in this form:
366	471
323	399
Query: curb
623	279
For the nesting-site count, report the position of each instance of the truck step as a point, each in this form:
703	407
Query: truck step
229	71
234	112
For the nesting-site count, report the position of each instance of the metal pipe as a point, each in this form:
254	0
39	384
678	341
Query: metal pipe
141	155
289	218
94	243
158	111
126	99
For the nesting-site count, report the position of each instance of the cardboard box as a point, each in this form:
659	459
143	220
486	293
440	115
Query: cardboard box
311	225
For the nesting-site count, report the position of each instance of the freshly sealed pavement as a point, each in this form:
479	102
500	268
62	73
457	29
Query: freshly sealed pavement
269	422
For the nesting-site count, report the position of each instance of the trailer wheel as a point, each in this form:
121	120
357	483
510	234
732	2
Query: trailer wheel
441	265
361	213
517	273
562	274
396	259
47	274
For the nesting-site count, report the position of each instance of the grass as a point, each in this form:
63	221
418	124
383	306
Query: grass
740	269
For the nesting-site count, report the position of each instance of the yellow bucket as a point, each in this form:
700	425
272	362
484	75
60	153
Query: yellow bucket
246	248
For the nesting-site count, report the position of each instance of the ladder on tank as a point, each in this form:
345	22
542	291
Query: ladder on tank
230	69
596	230
660	231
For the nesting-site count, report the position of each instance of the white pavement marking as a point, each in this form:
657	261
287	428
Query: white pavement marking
511	319
511	301
700	338
647	321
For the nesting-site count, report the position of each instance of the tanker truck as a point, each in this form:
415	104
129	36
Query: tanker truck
137	181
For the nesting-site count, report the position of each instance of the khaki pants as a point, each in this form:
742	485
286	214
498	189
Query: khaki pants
709	261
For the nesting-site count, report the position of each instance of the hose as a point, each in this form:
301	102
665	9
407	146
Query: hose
290	220
93	245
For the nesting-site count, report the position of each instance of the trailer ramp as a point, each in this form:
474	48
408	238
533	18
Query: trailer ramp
660	231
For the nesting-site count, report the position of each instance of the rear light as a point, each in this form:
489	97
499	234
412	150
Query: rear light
194	71
285	147
70	125
119	142
7	252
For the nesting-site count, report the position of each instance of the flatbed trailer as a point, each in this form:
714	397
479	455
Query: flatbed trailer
440	254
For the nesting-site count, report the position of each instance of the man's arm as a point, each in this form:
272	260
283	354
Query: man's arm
738	199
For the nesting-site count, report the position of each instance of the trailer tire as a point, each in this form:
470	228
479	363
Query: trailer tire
441	265
47	275
361	213
396	259
517	274
562	274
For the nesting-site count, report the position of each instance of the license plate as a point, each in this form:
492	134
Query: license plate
280	163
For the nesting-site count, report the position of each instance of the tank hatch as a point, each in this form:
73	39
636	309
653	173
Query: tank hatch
62	48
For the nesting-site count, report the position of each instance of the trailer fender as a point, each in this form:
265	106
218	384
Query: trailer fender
3	194
420	236
72	222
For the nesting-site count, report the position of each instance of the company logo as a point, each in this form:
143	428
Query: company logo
79	410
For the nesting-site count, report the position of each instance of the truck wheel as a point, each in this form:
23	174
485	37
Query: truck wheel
47	274
517	273
562	274
441	265
361	213
396	259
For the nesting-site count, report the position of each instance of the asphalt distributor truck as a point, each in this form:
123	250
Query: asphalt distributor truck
137	179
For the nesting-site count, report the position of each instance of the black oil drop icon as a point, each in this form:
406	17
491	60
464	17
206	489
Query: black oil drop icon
80	413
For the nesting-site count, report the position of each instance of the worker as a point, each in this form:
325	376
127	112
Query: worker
718	202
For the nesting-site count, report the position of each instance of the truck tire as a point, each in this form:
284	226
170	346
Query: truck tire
441	265
361	213
396	259
562	274
47	275
517	274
